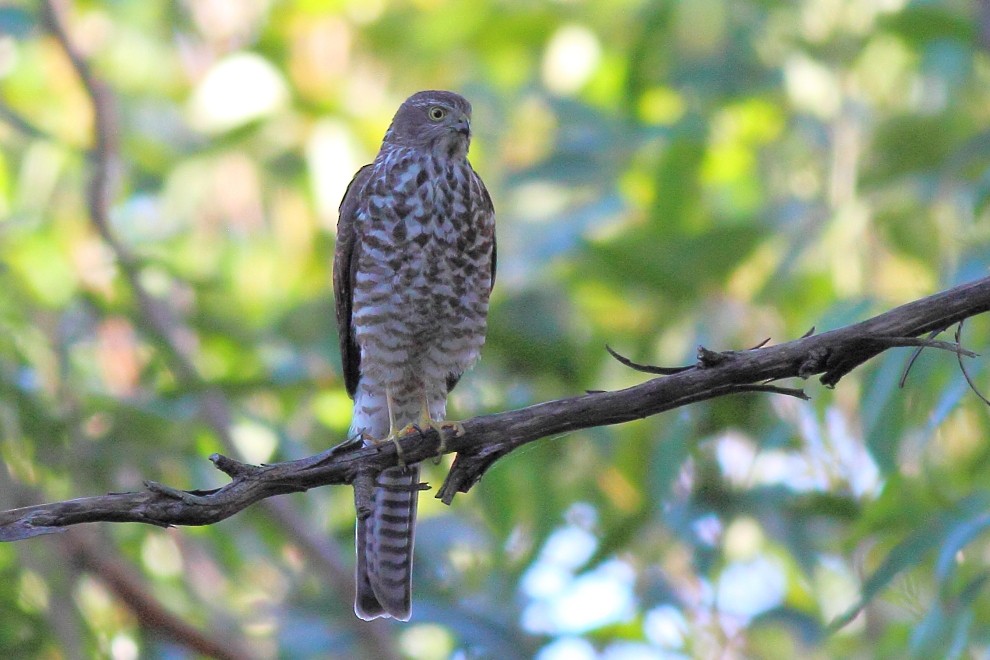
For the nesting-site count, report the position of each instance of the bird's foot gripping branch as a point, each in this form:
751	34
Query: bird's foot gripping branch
489	438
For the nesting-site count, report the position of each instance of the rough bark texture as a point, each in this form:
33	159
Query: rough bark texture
488	438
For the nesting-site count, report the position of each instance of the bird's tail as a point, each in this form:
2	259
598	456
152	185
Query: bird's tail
385	547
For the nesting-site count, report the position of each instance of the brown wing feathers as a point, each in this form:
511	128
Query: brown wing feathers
344	263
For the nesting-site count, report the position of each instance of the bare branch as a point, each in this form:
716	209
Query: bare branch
645	368
488	438
926	343
20	123
795	392
84	550
127	585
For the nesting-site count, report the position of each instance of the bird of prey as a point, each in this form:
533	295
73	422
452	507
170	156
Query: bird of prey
413	268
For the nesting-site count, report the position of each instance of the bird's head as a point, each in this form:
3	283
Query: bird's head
433	120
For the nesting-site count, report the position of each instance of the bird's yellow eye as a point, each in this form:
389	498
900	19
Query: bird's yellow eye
437	113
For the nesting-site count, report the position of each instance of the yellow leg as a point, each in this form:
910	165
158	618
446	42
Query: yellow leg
426	421
393	433
442	428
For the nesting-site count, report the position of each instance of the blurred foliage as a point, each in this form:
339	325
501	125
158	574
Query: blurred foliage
667	174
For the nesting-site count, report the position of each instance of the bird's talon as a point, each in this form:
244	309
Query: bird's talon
398	452
442	429
399	456
394	439
408	429
456	427
439	456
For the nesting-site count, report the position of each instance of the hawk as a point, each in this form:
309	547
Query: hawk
413	268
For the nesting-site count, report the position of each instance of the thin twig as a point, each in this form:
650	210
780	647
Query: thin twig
795	392
20	123
128	586
962	366
760	345
489	438
486	439
924	343
645	368
915	354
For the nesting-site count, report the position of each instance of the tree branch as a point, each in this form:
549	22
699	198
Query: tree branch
126	584
85	551
488	438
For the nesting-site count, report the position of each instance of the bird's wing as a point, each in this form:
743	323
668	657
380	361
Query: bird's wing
488	208
345	262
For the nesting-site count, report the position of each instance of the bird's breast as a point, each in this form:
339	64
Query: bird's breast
424	271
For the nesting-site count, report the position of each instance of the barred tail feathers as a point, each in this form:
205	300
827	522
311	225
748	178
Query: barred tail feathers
384	540
385	547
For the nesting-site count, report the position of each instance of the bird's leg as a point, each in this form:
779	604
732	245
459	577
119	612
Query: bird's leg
393	433
426	421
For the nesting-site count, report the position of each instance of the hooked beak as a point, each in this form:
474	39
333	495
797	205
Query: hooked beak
463	126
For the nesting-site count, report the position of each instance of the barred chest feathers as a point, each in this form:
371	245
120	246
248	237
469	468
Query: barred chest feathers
423	281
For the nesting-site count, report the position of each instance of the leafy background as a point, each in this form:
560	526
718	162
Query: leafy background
667	174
